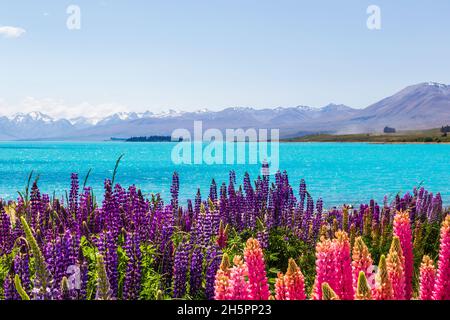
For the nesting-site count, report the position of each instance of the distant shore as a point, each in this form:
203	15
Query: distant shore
433	136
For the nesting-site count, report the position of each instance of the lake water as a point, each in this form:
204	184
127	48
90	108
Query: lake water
337	172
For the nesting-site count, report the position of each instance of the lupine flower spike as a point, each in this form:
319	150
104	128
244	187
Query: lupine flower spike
442	285
328	293
254	259
363	291
427	278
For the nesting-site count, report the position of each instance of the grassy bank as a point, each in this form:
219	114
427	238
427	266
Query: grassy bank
424	136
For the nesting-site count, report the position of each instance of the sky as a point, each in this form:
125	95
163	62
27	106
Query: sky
188	55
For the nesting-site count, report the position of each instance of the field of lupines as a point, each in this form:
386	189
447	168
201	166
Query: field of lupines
262	240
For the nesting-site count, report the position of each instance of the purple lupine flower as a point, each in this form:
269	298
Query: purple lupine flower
180	269
132	282
198	203
107	247
174	190
36	205
213	259
213	191
9	290
263	238
73	196
6	234
196	271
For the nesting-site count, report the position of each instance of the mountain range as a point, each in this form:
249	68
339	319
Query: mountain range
420	106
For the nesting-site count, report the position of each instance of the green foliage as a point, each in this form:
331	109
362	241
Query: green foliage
89	253
151	279
121	268
20	290
103	286
284	245
6	261
39	262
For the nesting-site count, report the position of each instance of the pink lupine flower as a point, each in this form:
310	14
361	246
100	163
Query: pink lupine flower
254	260
222	282
343	263
325	267
396	269
442	285
280	287
402	229
362	261
294	282
238	288
427	278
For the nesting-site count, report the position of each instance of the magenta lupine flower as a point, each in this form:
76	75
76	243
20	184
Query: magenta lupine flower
442	286
254	260
239	288
344	280
402	229
325	267
280	287
294	282
427	278
396	269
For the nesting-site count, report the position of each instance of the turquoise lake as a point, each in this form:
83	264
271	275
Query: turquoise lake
338	172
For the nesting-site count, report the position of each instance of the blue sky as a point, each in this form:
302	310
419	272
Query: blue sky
188	55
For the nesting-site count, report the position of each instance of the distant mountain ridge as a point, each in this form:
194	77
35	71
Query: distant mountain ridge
421	106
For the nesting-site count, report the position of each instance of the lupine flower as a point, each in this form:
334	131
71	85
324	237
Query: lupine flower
222	282
42	278
222	237
132	282
442	285
402	229
363	291
362	261
396	268
325	267
280	287
328	293
213	261
427	278
341	247
180	269
239	288
294	282
103	288
254	259
195	273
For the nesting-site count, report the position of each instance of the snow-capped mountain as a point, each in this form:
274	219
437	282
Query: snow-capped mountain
421	106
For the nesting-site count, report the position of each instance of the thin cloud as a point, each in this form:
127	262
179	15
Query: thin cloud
11	32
